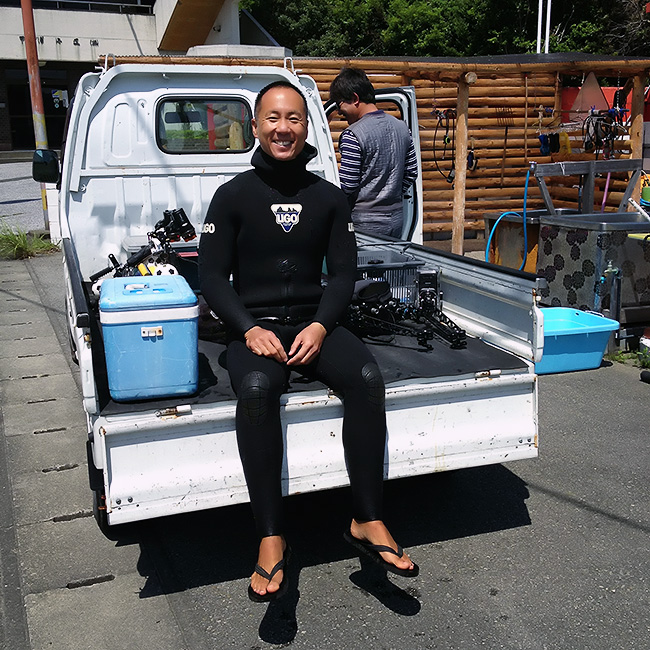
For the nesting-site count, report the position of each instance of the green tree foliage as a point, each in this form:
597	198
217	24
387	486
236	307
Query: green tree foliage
322	27
440	28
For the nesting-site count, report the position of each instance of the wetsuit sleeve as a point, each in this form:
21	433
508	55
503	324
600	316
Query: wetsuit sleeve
350	170
341	260
216	261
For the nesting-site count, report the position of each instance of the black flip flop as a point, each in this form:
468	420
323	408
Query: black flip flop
372	551
280	566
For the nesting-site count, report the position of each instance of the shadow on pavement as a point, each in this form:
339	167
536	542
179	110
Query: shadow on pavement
180	553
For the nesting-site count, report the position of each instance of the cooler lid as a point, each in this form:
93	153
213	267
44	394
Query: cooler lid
145	292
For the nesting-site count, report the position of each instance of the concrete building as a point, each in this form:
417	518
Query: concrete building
72	35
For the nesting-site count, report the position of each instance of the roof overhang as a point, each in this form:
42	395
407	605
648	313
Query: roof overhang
190	24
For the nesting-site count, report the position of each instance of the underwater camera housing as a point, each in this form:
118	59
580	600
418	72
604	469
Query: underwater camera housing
173	227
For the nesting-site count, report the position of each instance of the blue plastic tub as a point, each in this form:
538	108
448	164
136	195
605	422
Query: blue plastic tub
573	340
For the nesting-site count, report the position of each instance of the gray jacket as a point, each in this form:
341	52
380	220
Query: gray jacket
384	142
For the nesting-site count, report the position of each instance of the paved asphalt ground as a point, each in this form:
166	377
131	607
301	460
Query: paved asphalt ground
548	553
20	197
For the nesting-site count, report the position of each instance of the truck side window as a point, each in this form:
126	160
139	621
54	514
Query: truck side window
204	125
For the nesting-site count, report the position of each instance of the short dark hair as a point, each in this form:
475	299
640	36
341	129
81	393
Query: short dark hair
350	82
279	84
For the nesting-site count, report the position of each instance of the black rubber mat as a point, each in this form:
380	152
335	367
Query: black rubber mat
400	358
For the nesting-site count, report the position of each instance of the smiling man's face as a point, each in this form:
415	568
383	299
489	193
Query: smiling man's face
280	123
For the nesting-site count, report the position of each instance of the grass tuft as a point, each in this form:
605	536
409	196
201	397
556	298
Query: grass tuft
16	244
639	358
643	358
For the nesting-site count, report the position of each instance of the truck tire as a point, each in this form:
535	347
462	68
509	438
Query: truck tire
99	512
96	482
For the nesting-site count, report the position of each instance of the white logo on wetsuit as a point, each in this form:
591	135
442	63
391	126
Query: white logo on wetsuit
287	214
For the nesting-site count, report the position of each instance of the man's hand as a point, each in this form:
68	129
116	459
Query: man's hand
265	344
306	345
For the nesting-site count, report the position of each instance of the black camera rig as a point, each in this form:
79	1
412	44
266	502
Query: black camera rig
374	312
173	227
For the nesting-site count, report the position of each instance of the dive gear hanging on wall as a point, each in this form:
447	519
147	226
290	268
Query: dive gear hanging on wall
446	120
600	129
472	160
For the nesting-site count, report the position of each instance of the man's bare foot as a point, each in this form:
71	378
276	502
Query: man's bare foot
375	532
271	552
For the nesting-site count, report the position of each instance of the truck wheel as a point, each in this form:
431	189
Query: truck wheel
99	512
115	533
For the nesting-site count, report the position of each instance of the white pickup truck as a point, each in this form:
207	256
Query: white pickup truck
143	139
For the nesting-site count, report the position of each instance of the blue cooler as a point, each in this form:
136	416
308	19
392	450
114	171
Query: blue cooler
150	328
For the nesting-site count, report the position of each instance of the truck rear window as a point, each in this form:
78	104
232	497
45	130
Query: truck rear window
204	125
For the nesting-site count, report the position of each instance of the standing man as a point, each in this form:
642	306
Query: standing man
272	227
378	159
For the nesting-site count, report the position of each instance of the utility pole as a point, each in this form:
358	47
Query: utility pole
38	113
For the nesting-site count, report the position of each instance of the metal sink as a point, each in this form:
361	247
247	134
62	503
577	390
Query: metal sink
600	221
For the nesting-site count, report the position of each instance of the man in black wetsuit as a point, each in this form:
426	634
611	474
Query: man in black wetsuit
271	227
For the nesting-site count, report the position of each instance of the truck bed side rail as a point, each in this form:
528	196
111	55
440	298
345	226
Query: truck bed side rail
80	305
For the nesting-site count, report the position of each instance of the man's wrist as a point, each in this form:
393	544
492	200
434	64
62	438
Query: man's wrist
249	331
321	326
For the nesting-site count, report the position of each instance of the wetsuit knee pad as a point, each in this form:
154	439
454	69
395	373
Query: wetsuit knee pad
374	384
253	397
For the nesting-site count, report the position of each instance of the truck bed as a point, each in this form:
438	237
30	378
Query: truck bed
399	357
445	408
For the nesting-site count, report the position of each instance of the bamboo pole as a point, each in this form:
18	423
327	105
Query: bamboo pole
458	231
483	139
526	123
447	92
441	212
515	192
513	162
446	227
480	134
480	178
482	205
479	187
413	67
486	154
478	103
495	81
485	93
482	122
477	217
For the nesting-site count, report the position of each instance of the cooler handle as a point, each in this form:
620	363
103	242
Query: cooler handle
142	287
